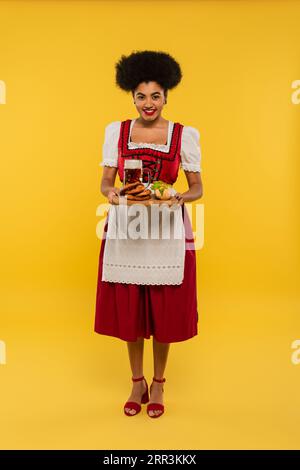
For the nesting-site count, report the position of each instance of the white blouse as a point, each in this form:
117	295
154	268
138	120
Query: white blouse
190	147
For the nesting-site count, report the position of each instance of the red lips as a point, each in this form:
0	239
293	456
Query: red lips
149	112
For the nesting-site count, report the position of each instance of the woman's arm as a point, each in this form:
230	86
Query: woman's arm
107	183
195	190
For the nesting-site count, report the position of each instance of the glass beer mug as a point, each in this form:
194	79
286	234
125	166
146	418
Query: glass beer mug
133	171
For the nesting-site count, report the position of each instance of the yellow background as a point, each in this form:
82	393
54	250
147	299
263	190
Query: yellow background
232	386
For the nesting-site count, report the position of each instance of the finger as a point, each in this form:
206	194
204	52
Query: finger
110	197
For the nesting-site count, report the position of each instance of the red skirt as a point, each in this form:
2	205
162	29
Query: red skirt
168	312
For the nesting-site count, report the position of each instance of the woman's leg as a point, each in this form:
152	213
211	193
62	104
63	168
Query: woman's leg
136	353
160	356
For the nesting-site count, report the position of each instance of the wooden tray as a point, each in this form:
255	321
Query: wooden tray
123	200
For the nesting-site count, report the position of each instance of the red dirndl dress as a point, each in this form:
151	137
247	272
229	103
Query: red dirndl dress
167	312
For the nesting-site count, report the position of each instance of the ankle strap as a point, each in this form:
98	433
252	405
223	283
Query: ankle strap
159	380
136	380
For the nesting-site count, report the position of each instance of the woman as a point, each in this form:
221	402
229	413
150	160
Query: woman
133	312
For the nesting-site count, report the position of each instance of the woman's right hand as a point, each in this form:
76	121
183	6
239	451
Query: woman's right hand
113	192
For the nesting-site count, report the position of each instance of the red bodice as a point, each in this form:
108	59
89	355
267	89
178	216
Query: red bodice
163	165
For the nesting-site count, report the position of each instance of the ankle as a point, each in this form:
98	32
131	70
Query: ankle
157	387
138	384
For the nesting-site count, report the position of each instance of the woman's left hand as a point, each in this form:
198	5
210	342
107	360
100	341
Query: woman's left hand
177	199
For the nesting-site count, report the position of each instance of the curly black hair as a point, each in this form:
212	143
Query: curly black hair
145	66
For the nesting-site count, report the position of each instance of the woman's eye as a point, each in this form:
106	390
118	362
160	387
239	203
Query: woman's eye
154	97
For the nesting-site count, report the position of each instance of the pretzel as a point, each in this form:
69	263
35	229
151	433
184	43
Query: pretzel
136	190
129	186
146	192
132	197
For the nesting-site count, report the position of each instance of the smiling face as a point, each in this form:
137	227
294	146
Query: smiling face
149	96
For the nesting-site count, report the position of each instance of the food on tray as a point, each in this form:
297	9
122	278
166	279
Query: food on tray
161	190
132	197
129	186
145	192
135	191
164	195
141	196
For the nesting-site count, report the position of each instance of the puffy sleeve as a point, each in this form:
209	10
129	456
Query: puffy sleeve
190	149
110	145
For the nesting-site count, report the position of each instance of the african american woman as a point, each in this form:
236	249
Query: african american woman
134	308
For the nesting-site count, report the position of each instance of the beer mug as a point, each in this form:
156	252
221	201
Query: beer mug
134	171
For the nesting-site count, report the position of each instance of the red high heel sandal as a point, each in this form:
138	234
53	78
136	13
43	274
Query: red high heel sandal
156	406
133	404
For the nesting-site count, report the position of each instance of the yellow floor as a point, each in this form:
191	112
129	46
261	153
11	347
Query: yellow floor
231	387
